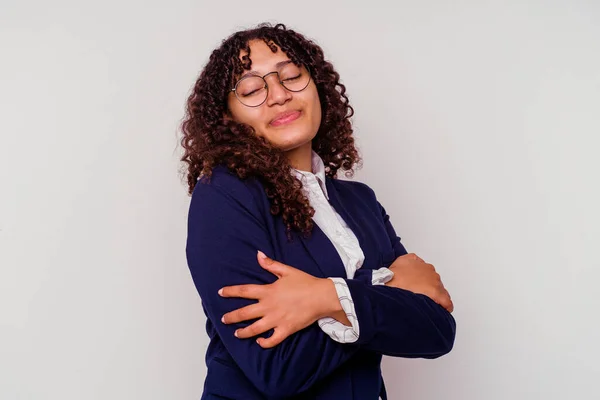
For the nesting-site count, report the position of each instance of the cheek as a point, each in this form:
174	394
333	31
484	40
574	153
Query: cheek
316	110
249	116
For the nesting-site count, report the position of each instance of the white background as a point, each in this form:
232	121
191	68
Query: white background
478	122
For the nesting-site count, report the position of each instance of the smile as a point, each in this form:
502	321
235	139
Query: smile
286	119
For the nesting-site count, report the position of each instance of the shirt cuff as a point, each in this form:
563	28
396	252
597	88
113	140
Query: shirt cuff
381	276
335	329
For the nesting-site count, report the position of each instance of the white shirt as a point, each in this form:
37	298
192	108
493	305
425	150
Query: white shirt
346	244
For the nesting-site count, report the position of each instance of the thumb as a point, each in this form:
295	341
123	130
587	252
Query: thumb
274	267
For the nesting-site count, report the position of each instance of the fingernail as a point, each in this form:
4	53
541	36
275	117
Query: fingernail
261	255
223	319
221	292
235	333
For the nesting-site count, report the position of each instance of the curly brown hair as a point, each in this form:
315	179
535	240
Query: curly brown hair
210	139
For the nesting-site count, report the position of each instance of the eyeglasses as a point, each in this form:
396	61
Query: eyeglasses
252	90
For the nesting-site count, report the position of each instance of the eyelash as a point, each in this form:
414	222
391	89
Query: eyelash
288	79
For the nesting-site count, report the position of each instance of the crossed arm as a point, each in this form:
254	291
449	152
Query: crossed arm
223	238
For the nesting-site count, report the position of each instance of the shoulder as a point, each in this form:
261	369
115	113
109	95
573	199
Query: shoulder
353	188
225	189
221	180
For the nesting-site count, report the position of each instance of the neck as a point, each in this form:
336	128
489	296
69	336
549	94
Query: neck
300	158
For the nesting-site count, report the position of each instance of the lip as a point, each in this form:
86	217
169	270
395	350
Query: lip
285	117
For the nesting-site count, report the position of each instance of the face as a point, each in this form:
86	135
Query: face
293	131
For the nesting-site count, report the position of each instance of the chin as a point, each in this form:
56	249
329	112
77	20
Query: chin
288	140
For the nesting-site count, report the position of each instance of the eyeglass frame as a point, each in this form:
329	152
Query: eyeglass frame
267	85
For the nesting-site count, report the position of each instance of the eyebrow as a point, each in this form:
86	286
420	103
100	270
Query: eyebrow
277	66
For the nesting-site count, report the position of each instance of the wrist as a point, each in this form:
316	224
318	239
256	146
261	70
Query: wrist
328	302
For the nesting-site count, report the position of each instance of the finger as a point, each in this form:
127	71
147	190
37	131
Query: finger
276	268
450	302
448	305
243	314
243	291
277	337
446	301
413	256
430	267
258	327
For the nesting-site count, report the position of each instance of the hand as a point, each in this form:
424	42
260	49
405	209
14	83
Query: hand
414	274
293	302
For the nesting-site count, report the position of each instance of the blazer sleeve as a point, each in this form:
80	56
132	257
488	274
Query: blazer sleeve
399	249
225	230
398	322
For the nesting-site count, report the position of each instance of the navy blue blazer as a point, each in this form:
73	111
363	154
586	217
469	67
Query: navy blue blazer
228	221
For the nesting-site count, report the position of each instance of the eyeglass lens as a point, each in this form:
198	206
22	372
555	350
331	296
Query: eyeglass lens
252	90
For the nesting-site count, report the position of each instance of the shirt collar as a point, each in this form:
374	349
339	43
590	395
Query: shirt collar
318	170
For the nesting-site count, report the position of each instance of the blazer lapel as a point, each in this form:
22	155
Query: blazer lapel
320	248
324	253
351	214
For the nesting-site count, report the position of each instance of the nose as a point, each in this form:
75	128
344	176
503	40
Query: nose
277	93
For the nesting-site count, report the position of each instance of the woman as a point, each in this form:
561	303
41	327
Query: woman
303	280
